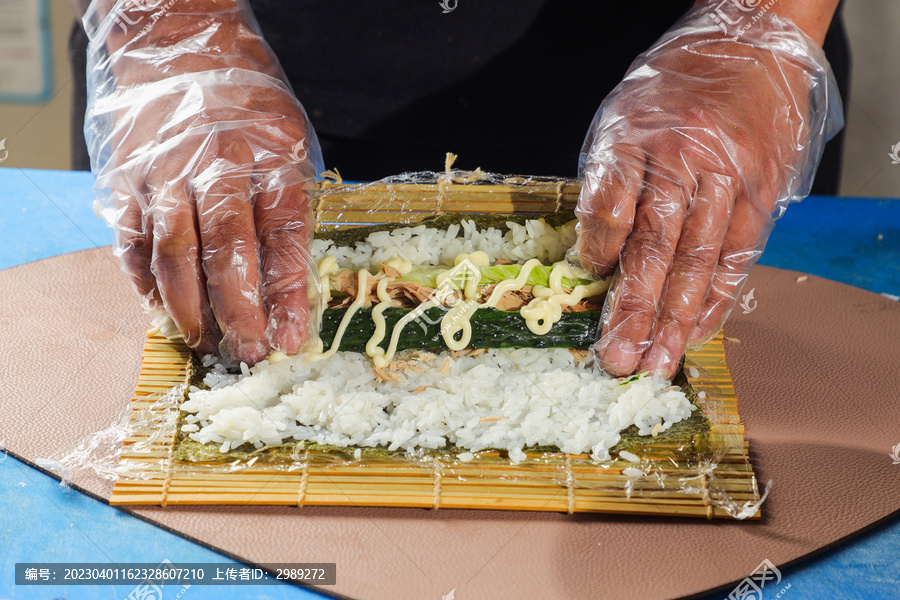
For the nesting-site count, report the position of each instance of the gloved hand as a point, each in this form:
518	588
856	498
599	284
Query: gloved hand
204	161
686	165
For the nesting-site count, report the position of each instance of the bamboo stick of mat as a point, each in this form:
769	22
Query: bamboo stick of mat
353	205
149	474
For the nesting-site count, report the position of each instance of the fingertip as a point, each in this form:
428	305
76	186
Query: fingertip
659	361
210	336
619	357
251	352
698	335
289	338
248	351
288	324
707	327
593	257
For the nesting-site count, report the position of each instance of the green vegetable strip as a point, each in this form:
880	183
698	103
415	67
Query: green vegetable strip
491	328
427	276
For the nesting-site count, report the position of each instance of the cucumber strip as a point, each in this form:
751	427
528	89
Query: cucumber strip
491	328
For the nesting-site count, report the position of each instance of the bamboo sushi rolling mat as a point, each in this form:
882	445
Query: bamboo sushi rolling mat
683	484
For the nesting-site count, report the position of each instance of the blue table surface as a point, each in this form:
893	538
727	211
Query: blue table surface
47	213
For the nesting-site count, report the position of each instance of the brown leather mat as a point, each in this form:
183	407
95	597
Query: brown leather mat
814	372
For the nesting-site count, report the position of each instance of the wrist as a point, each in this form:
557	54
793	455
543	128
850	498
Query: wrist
152	40
812	17
140	24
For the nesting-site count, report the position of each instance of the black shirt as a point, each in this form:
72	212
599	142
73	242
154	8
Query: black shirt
509	86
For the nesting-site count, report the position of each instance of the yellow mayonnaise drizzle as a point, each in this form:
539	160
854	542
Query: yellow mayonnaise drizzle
384	360
458	318
401	264
362	284
384	301
540	314
546	309
327	267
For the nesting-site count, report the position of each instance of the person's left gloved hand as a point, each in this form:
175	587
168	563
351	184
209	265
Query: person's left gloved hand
687	164
205	163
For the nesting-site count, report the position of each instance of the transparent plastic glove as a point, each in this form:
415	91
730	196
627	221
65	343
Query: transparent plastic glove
686	165
204	161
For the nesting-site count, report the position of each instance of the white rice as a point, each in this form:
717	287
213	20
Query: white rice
507	399
423	246
629	456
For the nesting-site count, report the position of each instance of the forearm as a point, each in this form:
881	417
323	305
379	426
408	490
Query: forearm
151	40
813	17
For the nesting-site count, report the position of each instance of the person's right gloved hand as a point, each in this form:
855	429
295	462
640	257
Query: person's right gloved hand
689	161
204	161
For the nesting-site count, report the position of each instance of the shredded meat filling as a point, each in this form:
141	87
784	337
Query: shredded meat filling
404	294
408	294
